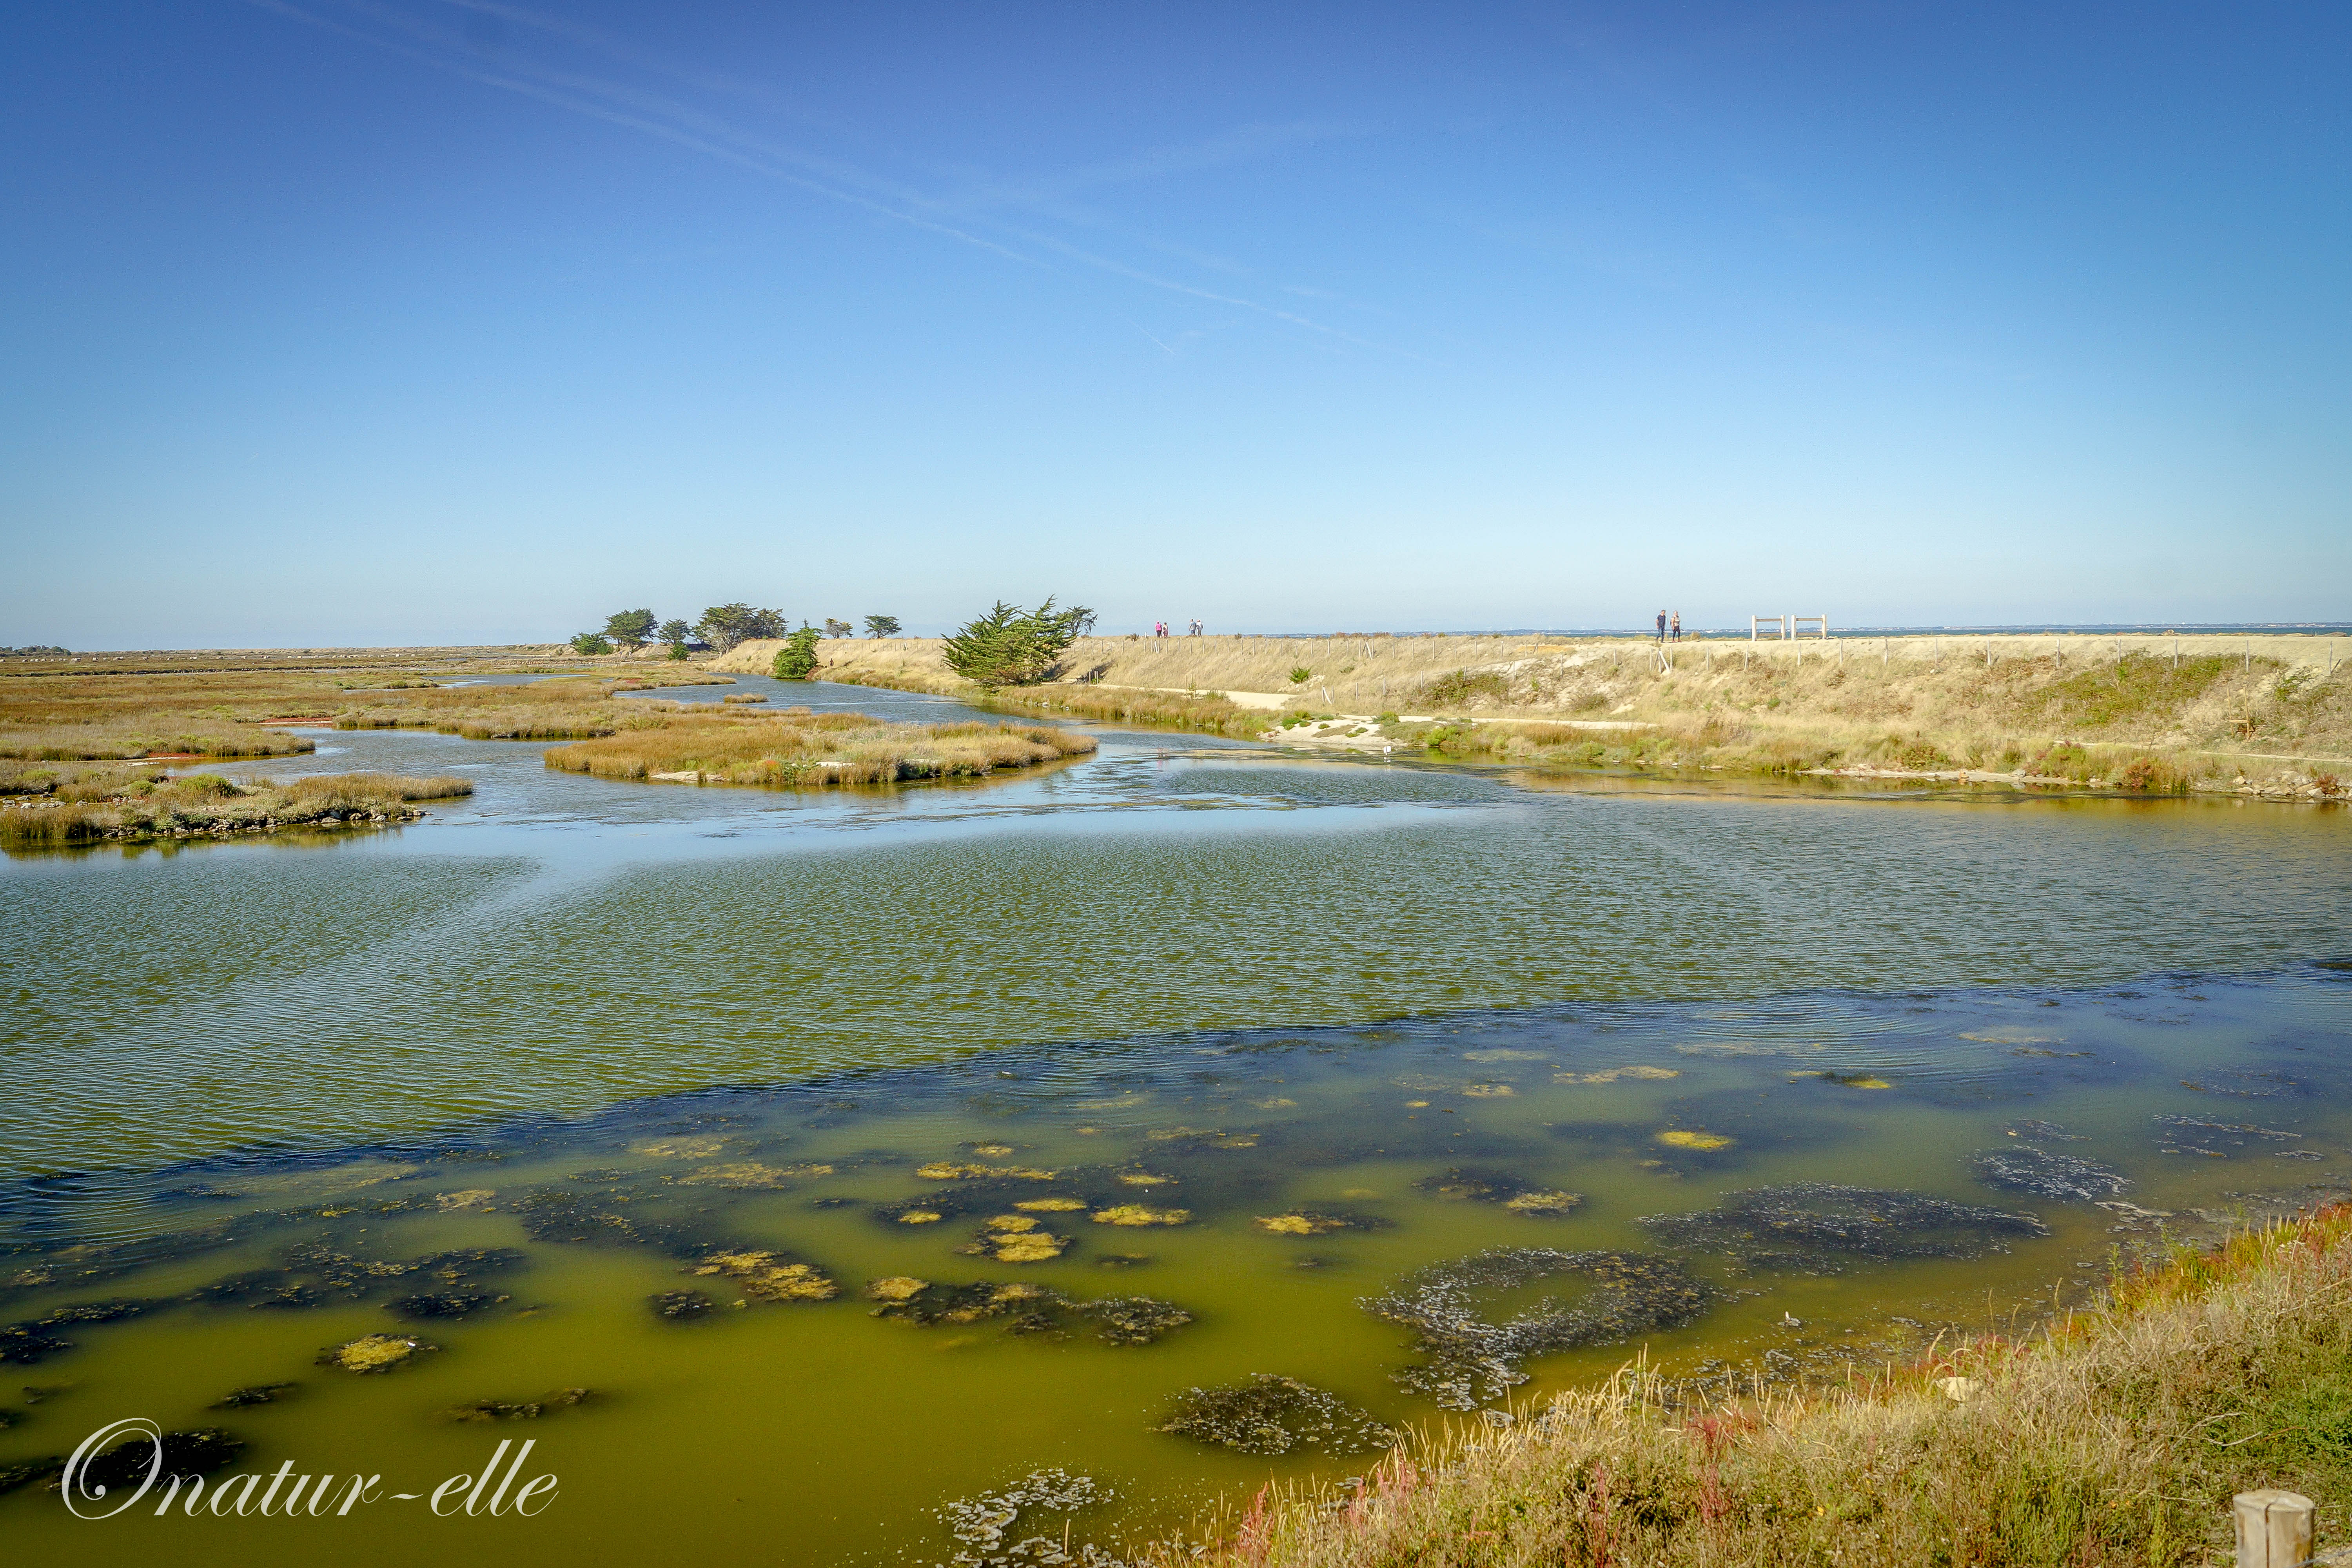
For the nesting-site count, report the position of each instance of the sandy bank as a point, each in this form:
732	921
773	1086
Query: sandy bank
1940	706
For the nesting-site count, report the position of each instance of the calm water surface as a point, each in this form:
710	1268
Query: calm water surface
538	1059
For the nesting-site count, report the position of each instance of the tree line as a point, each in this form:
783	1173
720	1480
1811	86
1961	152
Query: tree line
1003	646
719	629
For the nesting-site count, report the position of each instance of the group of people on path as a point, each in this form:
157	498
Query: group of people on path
1160	629
1670	627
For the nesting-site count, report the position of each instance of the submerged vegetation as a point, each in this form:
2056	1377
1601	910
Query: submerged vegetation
1810	1227
1275	1414
1469	1361
2117	1435
797	749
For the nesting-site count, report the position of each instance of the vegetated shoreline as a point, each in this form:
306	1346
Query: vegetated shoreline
51	808
2261	716
100	709
2113	1436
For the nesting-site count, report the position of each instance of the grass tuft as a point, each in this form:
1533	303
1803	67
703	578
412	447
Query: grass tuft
2115	1436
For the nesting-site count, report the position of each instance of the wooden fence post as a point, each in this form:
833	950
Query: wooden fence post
2274	1529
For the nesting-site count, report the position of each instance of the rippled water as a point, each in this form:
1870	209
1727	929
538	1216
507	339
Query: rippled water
1288	985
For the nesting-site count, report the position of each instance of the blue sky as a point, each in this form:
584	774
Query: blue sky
423	321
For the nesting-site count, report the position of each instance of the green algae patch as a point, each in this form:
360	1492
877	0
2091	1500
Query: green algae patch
372	1353
1016	1238
1139	1214
1513	1193
1029	1309
767	1276
751	1176
1307	1222
949	1171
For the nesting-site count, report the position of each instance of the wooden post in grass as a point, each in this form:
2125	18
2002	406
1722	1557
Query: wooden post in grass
2274	1529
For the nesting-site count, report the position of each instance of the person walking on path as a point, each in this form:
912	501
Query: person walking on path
1662	626
1678	626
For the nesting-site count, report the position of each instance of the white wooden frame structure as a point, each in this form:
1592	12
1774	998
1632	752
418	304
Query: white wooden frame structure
1787	627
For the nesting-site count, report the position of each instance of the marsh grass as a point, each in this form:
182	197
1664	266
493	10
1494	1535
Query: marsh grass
1207	710
796	748
227	705
128	808
555	709
2115	1436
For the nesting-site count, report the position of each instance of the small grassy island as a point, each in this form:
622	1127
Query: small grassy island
48	806
87	744
797	749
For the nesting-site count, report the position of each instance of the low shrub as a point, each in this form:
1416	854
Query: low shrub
1464	686
2153	775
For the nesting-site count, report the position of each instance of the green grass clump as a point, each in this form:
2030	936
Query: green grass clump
2127	692
1464	686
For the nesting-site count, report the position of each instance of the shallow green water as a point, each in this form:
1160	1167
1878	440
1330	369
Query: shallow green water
1289	987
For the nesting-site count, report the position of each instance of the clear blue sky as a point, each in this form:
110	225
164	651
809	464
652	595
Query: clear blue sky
393	321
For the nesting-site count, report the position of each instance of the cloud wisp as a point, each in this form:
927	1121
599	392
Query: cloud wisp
1011	218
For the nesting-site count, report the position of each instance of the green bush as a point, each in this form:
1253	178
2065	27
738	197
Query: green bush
797	660
1299	674
591	643
1012	647
2065	761
1453	691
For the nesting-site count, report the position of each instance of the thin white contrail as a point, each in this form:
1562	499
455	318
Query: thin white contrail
683	125
1139	326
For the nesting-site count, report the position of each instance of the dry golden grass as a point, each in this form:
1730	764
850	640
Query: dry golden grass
2114	1439
2197	706
799	750
83	805
224	705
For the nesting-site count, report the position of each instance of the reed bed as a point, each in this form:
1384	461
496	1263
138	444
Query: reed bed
2112	1440
556	709
1211	712
240	705
796	748
91	809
